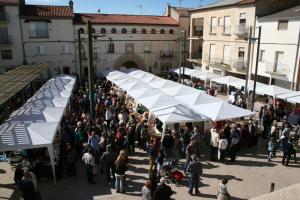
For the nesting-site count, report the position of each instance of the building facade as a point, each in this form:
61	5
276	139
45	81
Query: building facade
49	34
145	42
278	61
218	36
11	49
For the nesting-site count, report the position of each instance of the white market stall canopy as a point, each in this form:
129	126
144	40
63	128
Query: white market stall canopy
172	98
36	123
226	80
272	90
289	95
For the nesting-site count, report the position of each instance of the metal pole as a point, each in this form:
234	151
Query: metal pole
91	71
180	55
184	51
256	67
296	63
79	55
248	64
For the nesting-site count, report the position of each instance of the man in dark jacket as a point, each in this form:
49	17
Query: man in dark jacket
163	191
195	170
70	160
108	157
168	143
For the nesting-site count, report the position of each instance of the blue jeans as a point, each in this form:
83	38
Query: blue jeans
193	183
119	184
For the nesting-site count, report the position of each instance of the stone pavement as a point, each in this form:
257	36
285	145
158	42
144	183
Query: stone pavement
250	176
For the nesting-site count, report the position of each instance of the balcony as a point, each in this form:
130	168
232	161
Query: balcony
197	32
278	69
5	39
241	31
166	54
240	65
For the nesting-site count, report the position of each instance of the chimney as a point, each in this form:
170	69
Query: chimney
71	3
168	9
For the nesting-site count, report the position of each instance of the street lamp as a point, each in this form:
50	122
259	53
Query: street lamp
256	64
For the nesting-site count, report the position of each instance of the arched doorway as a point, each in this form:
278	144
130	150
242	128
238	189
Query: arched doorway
130	64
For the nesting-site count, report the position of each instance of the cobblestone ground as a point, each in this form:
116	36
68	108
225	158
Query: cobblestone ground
250	176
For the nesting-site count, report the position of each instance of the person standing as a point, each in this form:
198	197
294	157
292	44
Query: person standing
223	144
234	140
214	143
121	168
146	191
271	148
94	142
108	158
197	137
89	162
195	170
162	191
222	191
190	150
131	139
70	160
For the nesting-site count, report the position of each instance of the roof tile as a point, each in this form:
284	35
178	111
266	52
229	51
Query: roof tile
9	2
46	11
81	18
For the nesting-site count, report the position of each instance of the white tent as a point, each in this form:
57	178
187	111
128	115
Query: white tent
164	84
226	80
221	110
15	136
197	98
241	83
272	90
294	99
187	71
143	92
157	101
178	114
289	95
137	86
36	115
179	90
116	76
207	76
132	83
133	72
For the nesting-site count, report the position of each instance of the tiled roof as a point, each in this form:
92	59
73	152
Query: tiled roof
46	11
81	18
292	13
9	2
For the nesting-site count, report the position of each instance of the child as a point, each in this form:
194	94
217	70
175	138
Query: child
271	148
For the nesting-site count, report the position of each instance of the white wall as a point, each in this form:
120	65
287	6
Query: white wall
273	40
13	26
60	33
156	41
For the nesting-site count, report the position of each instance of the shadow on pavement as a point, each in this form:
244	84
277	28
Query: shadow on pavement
221	177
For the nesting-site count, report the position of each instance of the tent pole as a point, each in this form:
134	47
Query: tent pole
51	155
164	130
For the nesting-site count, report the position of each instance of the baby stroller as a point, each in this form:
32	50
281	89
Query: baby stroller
170	171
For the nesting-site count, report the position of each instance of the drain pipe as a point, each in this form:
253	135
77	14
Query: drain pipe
295	66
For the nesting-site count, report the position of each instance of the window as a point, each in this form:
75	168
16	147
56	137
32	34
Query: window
113	30
124	30
162	31
171	31
103	30
4	36
147	49
93	31
212	53
144	31
6	55
66	70
2	14
241	53
65	49
40	50
282	25
226	54
243	18
134	31
111	48
226	25
38	30
261	56
279	61
81	30
129	48
153	31
213	25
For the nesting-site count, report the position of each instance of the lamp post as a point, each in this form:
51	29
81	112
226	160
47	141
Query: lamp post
79	54
248	64
256	67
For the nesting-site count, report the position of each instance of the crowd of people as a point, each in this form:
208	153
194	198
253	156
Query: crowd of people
104	142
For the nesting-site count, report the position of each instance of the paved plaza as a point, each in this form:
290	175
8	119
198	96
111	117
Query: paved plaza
250	176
